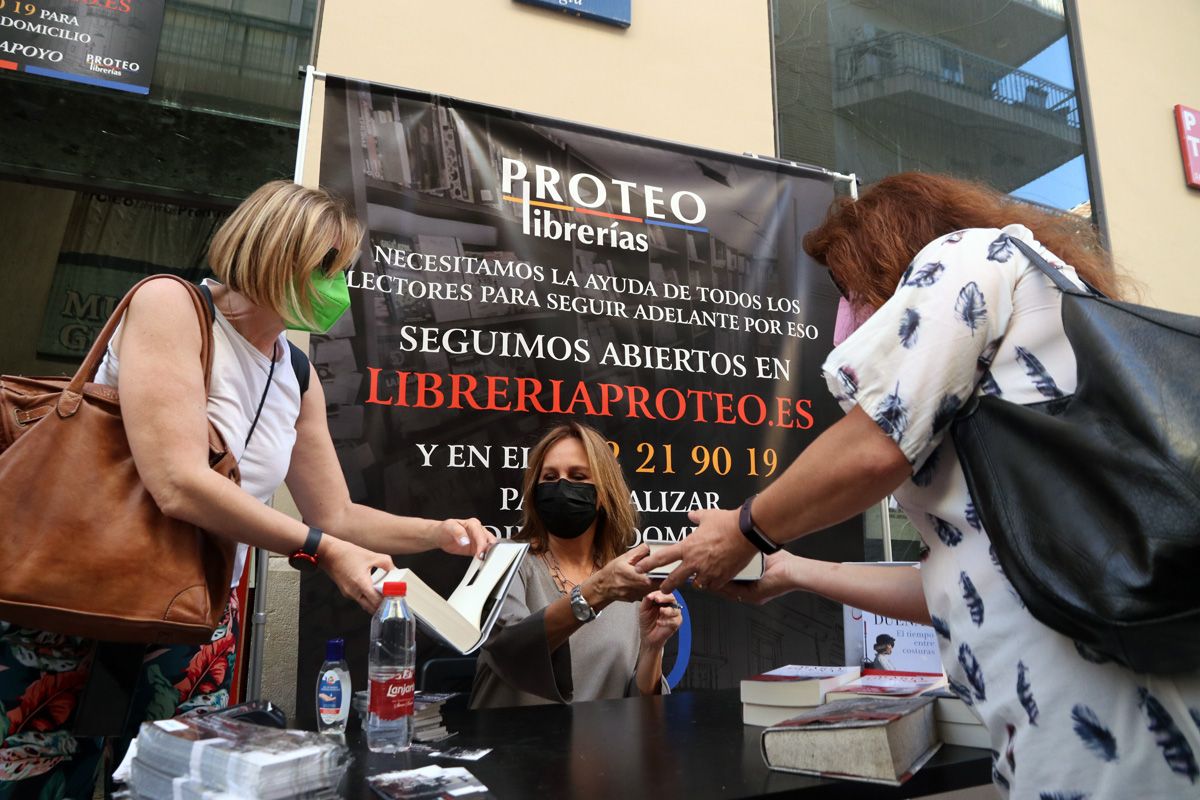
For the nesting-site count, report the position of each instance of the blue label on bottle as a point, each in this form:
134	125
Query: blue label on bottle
329	696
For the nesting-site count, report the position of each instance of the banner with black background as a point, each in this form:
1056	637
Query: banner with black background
519	270
108	43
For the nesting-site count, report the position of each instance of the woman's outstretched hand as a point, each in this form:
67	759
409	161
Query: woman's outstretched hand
349	566
463	537
779	577
711	554
621	579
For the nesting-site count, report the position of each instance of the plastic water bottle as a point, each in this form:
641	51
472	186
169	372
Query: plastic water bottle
391	667
333	690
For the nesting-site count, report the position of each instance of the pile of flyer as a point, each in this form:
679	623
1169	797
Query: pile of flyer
218	758
428	725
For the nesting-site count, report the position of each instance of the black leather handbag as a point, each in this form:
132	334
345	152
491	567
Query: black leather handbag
1092	501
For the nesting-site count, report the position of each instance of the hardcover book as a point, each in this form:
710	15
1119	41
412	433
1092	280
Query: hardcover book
881	683
751	572
966	735
949	707
465	619
764	716
868	739
795	685
875	641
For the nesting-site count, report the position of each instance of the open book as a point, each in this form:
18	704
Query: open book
465	620
751	572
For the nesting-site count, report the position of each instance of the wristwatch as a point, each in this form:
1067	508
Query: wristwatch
305	559
752	533
579	606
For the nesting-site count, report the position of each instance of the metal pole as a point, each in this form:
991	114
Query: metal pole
885	526
305	116
885	517
258	621
262	558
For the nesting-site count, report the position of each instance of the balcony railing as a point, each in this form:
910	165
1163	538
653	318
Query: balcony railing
1052	7
950	67
231	61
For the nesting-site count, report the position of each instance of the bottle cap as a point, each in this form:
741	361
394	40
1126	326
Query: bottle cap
335	650
395	589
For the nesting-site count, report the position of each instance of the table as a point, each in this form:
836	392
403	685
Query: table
690	745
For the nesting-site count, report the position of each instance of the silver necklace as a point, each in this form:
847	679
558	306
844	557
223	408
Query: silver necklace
561	582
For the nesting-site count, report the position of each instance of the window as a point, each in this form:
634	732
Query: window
982	89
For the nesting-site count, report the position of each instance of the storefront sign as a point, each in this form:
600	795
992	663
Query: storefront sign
520	270
1188	122
108	43
614	12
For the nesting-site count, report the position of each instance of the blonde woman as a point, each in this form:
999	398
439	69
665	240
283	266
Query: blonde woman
580	622
278	261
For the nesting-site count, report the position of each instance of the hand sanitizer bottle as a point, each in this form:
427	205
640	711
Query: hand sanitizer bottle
333	690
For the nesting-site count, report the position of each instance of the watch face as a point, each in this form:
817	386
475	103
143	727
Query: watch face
302	561
580	608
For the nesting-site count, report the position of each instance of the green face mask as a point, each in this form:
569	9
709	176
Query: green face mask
330	300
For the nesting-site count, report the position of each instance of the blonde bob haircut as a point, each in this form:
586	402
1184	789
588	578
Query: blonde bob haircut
276	239
616	518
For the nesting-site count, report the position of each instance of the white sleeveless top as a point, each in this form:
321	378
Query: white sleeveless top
239	376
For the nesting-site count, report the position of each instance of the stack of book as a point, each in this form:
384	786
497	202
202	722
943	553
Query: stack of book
782	693
956	722
428	725
215	757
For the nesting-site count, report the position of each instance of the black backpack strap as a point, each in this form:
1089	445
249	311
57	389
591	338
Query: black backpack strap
300	366
208	298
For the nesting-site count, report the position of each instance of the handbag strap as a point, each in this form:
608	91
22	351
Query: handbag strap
1052	273
72	396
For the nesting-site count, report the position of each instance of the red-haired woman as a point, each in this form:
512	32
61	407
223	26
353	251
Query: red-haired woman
939	305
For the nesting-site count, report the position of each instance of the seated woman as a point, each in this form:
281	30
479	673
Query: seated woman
580	622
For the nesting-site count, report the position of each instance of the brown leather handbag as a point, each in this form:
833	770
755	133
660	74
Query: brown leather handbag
88	552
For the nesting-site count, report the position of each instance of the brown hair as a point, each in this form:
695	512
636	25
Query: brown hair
616	518
273	242
867	244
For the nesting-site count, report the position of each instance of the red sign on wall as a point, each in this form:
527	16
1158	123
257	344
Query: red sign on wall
1188	122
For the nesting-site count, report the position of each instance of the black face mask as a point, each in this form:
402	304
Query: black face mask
565	507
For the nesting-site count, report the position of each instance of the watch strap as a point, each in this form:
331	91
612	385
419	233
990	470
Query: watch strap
307	554
751	531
